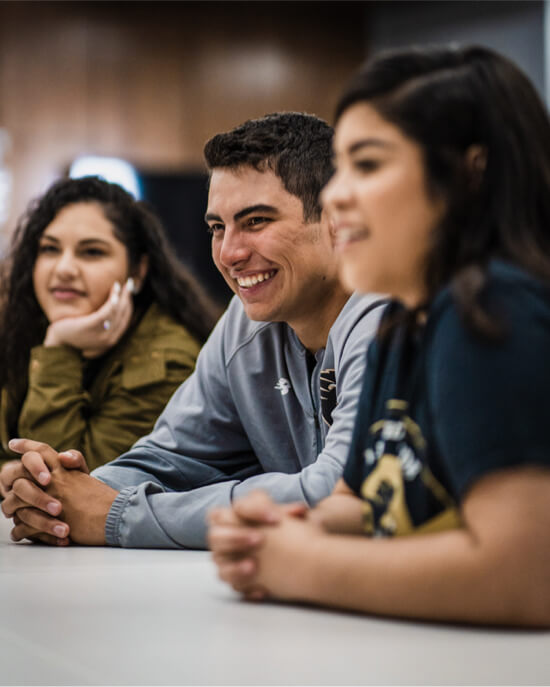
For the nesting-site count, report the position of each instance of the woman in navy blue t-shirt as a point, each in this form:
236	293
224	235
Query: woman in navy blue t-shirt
441	198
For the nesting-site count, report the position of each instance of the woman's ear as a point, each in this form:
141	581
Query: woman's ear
139	273
476	163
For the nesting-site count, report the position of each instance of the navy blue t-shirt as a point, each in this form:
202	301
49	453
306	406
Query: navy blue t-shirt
443	406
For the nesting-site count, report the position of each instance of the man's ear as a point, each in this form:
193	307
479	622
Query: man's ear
140	272
476	163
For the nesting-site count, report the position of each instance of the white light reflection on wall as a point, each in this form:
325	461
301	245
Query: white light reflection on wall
112	169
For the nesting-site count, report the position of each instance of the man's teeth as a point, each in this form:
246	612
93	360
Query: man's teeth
246	282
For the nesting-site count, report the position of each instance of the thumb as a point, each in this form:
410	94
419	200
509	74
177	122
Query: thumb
73	460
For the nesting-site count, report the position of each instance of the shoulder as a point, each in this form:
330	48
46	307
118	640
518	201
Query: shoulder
157	349
520	304
515	297
157	330
357	323
361	310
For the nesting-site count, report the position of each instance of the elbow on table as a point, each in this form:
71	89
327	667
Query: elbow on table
525	594
534	609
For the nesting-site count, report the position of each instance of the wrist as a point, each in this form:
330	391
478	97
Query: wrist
306	560
99	519
51	338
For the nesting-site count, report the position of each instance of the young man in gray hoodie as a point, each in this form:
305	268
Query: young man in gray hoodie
272	401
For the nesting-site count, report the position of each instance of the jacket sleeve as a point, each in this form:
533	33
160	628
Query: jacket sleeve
163	502
59	411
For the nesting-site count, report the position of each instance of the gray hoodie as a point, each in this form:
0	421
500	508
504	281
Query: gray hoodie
253	415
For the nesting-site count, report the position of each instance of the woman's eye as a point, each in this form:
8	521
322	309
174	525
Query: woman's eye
47	248
367	165
94	252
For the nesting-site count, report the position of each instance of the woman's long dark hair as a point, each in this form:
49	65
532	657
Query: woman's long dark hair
450	100
22	322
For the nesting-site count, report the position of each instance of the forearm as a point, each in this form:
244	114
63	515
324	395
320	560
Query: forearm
161	504
445	576
339	513
147	517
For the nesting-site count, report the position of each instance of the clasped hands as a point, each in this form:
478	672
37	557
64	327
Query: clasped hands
257	543
52	498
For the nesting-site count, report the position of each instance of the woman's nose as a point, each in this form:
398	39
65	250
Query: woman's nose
66	265
336	193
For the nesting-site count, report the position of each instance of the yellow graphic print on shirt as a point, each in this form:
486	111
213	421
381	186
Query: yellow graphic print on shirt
401	494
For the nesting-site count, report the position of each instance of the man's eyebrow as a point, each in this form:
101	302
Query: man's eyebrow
260	207
367	142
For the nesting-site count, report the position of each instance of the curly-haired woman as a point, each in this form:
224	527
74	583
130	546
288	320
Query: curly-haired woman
99	324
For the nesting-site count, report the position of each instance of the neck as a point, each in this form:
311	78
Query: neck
313	329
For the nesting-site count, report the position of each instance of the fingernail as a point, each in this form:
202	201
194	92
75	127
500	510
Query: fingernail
44	477
116	293
12	442
254	538
53	508
130	285
60	531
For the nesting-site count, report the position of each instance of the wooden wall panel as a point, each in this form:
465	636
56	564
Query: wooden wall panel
151	81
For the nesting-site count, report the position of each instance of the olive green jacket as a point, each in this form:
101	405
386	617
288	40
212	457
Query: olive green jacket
128	390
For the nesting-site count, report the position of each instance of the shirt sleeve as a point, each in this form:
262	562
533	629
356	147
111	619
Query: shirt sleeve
488	399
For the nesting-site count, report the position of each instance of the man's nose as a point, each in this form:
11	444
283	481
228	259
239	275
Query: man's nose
234	248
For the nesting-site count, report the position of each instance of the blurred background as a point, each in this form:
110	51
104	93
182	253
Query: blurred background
132	90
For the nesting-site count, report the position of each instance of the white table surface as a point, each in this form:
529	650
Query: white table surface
131	617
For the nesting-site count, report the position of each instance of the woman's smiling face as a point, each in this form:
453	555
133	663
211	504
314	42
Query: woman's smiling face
381	210
79	258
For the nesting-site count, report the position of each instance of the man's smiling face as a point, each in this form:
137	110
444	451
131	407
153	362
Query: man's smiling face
282	268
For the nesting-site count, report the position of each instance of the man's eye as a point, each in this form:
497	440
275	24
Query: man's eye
214	228
256	221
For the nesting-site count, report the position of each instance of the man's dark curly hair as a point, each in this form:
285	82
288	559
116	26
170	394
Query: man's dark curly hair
297	147
22	322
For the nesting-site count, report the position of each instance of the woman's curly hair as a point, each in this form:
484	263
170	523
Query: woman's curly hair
167	283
